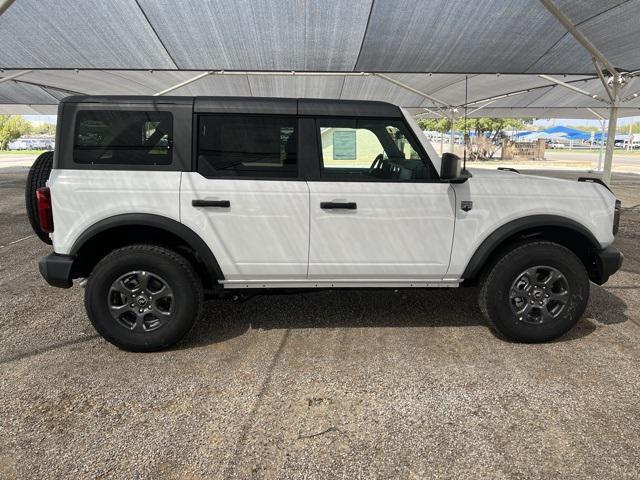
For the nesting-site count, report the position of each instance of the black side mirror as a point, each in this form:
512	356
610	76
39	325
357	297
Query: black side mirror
451	169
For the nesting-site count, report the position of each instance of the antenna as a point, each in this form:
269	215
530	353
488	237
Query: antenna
466	134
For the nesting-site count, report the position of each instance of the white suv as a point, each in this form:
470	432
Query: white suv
160	202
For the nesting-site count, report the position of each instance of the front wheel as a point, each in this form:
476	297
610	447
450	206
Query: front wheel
143	297
535	293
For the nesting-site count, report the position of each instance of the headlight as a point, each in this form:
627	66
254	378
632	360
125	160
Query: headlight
616	216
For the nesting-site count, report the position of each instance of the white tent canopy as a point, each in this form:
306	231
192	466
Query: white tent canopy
39	90
553	57
146	46
421	36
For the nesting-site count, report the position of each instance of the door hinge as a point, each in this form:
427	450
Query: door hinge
466	205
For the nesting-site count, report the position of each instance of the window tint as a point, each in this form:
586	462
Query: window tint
354	149
118	137
247	146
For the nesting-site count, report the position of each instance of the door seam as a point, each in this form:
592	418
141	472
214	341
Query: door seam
309	236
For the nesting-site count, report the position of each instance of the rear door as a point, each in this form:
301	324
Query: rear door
246	199
378	211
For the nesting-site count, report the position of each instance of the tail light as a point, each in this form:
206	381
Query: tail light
616	216
45	213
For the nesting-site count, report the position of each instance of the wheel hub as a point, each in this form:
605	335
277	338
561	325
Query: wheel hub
539	294
141	301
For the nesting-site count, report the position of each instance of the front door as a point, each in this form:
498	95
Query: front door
376	212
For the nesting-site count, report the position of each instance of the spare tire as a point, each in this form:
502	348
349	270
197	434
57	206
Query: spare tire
38	176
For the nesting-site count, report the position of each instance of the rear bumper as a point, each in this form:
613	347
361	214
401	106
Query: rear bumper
56	269
607	262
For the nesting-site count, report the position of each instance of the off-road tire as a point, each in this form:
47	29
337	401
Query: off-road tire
38	176
167	264
495	287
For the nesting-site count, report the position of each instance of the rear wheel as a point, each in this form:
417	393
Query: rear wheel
536	292
143	297
38	176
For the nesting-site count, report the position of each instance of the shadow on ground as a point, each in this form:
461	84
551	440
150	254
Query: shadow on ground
224	319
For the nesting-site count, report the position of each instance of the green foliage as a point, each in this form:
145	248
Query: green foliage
43	129
480	126
12	127
440	125
493	126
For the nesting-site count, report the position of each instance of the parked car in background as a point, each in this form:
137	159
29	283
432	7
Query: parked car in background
41	142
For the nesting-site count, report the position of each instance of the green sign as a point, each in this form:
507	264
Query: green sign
344	145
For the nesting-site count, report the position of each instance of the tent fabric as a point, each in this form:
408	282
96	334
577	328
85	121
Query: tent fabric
543	100
569	133
141	47
418	36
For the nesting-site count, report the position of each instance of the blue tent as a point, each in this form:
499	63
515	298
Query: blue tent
570	133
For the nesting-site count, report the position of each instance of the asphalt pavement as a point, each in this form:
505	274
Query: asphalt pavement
334	384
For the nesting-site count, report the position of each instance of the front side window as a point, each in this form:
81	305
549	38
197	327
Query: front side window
247	146
120	137
363	149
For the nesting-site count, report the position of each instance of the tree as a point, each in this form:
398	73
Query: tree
495	127
12	127
488	134
43	129
440	125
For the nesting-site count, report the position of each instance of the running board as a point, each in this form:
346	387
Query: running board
235	284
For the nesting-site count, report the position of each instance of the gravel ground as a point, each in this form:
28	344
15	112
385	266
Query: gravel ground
356	384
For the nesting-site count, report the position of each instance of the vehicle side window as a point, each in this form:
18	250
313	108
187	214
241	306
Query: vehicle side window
247	146
370	149
122	137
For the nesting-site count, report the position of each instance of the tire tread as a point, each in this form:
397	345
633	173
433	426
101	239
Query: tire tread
37	178
494	269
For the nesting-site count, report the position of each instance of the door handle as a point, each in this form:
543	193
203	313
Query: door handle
343	205
211	203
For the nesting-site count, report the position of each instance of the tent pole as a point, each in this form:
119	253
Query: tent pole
452	135
14	75
182	84
577	35
603	123
602	129
611	134
411	89
4	5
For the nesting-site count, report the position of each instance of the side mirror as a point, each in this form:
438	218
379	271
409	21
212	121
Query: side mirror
450	166
451	169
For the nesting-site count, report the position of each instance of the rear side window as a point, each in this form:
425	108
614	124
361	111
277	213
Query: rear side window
247	146
117	137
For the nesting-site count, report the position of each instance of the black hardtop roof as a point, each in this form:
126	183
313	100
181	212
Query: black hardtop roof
255	105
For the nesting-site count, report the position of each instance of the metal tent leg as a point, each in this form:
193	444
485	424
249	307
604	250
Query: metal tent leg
600	150
611	139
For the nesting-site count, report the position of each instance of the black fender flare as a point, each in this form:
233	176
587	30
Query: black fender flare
174	227
509	229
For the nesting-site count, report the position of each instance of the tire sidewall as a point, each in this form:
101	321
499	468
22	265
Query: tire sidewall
186	301
517	261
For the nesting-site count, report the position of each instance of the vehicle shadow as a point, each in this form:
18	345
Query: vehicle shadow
225	319
605	307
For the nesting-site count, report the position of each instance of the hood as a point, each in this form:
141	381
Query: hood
486	173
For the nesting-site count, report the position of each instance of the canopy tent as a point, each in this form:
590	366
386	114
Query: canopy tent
422	36
569	133
414	53
543	134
